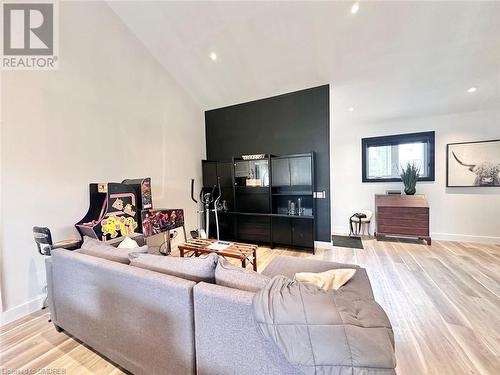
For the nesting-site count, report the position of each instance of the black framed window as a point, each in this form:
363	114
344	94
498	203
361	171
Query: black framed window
384	156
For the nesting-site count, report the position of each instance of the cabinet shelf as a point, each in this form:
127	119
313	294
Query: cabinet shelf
266	214
295	193
294	216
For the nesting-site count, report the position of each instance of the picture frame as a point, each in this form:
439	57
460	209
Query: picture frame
473	164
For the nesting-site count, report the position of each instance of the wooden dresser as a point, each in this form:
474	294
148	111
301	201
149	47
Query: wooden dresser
402	215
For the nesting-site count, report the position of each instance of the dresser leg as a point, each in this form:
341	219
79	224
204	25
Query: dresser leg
428	240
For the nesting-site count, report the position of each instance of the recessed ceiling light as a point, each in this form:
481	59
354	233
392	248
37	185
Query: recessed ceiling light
472	89
213	56
355	8
351	109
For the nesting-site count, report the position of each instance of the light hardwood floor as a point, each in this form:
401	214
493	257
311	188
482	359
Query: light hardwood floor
443	301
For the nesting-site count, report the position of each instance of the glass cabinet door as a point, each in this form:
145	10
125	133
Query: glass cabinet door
251	173
300	171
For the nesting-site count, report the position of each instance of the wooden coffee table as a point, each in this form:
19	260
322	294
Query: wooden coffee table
246	253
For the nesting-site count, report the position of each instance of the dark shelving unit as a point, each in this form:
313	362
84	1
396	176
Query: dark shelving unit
293	179
258	196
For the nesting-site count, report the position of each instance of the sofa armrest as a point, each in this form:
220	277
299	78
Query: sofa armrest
227	337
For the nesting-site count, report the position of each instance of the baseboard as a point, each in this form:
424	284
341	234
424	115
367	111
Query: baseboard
464	238
21	310
441	236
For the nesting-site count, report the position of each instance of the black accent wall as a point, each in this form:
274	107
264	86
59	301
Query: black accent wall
292	123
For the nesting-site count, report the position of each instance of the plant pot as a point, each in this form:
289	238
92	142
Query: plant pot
410	190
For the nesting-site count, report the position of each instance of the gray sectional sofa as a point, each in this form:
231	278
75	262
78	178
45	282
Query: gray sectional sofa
153	323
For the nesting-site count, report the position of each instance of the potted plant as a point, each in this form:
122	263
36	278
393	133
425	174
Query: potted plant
409	176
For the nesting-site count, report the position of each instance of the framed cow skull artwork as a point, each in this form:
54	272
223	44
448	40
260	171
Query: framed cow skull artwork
473	164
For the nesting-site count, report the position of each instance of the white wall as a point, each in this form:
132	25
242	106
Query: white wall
110	112
456	213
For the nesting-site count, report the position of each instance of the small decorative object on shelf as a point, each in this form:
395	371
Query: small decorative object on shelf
409	176
253	157
393	192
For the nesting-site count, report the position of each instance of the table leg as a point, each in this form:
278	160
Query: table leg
181	252
244	263
255	260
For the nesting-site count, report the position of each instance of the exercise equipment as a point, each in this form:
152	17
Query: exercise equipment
45	245
115	209
208	199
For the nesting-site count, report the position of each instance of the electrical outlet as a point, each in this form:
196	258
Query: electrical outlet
319	194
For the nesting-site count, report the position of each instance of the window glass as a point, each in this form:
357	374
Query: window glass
379	161
384	157
413	153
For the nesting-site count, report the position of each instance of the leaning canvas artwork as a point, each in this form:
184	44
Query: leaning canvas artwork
473	164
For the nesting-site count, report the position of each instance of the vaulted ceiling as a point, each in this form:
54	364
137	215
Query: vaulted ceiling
390	59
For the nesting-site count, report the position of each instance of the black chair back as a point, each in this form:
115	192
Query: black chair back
43	240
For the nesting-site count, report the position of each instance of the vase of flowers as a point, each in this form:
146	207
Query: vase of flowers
409	176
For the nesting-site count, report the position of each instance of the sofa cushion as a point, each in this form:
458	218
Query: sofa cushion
239	278
195	269
100	249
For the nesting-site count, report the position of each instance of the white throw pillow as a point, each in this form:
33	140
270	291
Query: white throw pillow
128	243
328	280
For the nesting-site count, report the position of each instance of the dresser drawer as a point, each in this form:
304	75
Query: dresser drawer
402	230
403	210
405	222
422	230
403	213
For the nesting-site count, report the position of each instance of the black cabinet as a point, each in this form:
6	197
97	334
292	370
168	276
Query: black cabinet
226	227
302	232
209	170
253	173
292	171
225	174
263	197
281	172
254	228
293	231
252	200
212	170
300	171
282	230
